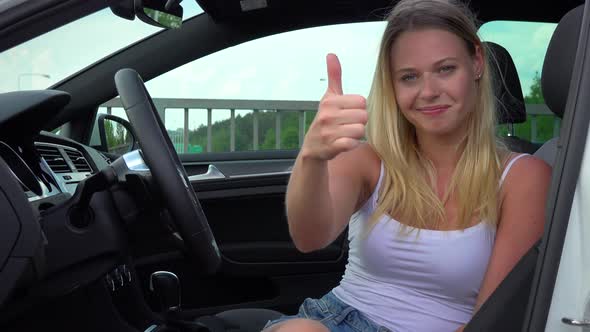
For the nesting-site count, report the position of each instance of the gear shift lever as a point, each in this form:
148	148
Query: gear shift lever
166	286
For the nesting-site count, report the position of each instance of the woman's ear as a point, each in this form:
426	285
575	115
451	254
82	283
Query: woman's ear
478	62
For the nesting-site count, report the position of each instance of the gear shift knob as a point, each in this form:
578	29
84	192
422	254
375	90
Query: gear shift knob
166	286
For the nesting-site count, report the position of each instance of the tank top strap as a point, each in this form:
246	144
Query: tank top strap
375	194
510	164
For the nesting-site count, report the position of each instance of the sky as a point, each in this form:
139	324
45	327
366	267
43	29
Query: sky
289	66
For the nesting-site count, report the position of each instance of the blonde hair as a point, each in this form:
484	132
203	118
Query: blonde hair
406	192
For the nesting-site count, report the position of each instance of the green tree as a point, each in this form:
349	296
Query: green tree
268	142
290	138
120	133
544	123
110	133
535	95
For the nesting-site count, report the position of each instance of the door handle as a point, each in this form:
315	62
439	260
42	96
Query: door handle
576	322
212	173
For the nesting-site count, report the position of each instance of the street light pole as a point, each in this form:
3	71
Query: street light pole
21	75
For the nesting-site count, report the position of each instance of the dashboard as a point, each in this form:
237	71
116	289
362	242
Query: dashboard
46	166
39	176
68	218
50	167
68	164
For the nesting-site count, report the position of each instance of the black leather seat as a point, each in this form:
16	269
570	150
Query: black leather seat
239	320
510	101
557	71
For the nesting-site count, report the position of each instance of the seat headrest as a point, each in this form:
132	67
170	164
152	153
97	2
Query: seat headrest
559	60
510	101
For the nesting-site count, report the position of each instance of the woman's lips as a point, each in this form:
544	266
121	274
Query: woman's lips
433	110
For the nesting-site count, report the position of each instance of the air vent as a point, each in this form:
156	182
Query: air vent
78	160
107	159
54	158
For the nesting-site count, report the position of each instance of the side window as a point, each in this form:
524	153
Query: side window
262	94
527	44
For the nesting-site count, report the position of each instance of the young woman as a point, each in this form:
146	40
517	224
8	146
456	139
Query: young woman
438	213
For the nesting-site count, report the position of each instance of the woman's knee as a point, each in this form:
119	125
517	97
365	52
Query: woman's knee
298	325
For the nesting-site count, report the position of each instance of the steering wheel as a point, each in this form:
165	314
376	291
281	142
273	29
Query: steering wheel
167	170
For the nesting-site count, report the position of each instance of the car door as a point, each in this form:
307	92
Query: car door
560	299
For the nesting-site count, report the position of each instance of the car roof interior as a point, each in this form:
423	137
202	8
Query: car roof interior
226	25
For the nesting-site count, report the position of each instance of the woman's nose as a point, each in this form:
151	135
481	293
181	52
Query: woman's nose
429	88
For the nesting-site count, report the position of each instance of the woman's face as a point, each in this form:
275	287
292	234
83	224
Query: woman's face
435	80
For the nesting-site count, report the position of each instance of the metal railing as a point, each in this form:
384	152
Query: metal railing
278	106
534	111
163	105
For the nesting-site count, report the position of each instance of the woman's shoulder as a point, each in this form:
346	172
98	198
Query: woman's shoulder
524	195
371	168
524	170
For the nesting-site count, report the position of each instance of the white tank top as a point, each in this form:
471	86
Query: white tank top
426	281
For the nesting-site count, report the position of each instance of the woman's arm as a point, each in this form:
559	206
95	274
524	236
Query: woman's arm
522	219
322	196
328	176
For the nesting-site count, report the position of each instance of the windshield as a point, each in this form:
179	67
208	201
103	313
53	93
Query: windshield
51	57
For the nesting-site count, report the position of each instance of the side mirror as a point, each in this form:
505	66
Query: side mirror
116	135
161	13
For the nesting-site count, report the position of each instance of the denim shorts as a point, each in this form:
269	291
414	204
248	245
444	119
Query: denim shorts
336	315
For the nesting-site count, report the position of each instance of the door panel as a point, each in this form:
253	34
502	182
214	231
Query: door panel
261	266
240	164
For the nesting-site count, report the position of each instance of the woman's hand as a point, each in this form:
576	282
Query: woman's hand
340	122
324	190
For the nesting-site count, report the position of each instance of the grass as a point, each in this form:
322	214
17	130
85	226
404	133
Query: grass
523	130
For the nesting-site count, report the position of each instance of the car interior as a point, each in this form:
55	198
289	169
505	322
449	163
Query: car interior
151	241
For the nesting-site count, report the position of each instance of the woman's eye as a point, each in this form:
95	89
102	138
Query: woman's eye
446	69
409	77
